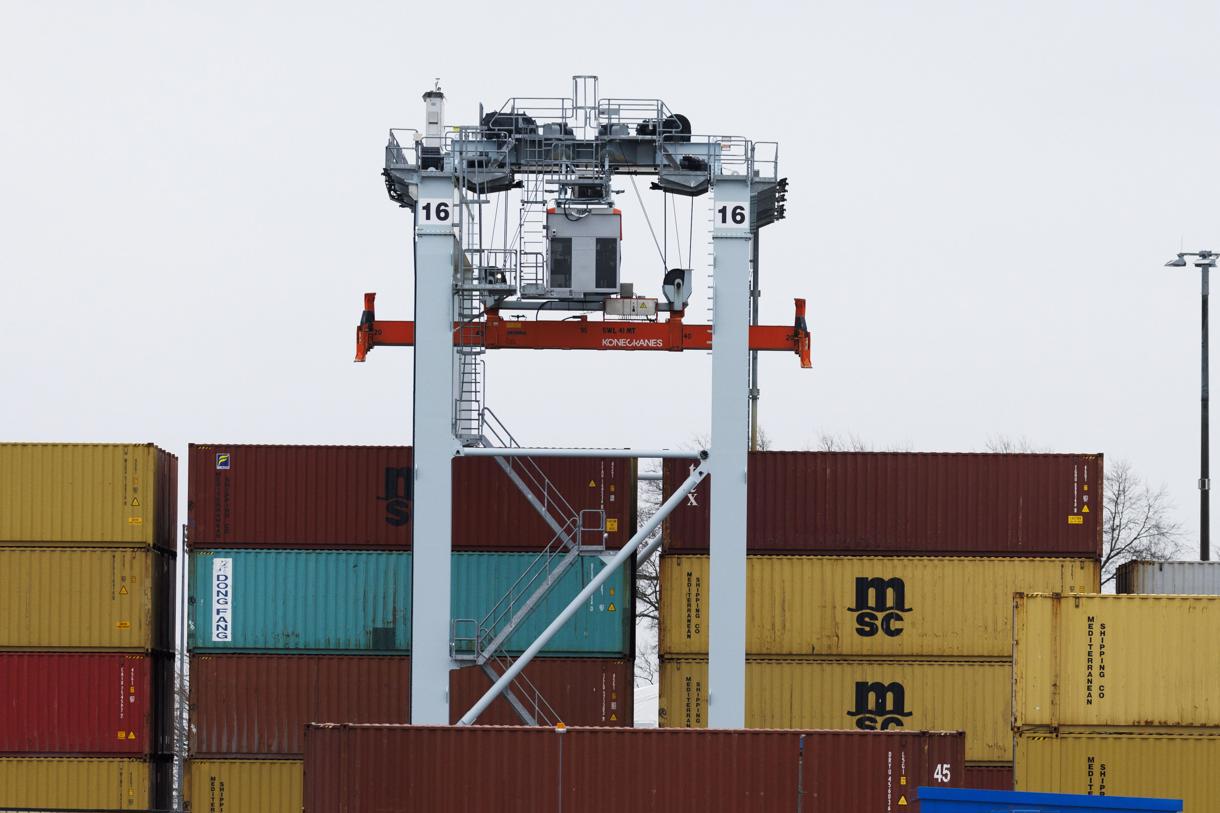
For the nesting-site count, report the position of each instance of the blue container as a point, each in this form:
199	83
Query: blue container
300	601
600	628
957	800
360	602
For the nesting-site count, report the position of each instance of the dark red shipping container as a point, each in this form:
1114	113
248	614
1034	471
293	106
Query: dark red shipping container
581	691
988	777
356	769
910	503
83	703
249	496
258	705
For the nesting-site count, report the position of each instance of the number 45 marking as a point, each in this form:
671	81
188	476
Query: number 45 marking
733	216
942	773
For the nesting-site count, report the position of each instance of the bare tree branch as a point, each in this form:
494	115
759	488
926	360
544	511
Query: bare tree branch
1137	522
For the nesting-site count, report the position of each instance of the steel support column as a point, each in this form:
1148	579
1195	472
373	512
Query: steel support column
731	246
435	446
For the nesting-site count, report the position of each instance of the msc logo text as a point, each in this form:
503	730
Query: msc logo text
879	606
879	706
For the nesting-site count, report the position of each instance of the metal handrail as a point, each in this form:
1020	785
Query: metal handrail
532	693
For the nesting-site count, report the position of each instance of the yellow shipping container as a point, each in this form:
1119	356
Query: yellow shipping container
1109	661
86	598
948	695
885	607
109	784
1174	766
245	786
87	494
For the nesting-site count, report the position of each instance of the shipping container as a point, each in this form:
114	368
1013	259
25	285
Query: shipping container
108	784
1109	660
252	705
344	497
866	694
1168	765
963	800
84	703
909	503
244	786
578	691
1170	578
984	776
870	606
396	769
343	601
603	626
308	601
88	494
78	598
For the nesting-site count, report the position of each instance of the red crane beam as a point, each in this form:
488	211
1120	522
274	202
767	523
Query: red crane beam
497	333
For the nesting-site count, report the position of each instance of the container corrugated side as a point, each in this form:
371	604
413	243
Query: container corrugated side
581	691
1108	660
395	769
77	598
909	503
1174	766
107	784
361	497
244	786
1169	578
85	494
79	703
258	705
865	694
601	627
867	606
309	601
983	776
344	601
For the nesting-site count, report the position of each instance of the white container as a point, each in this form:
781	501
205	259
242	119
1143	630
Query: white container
1170	578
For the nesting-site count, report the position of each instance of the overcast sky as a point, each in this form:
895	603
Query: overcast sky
982	198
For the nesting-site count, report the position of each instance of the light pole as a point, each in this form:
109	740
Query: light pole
1205	261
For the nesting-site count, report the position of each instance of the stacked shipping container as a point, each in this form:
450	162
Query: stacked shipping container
87	545
1115	695
879	588
356	769
301	588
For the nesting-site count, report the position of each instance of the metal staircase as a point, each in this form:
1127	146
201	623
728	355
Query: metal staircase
483	641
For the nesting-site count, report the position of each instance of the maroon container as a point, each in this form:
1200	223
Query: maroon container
83	703
258	705
581	691
988	777
913	504
342	497
356	769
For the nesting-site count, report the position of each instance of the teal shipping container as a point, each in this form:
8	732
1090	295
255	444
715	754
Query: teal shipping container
321	601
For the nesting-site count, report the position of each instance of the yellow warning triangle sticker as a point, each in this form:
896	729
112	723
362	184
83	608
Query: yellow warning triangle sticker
135	502
613	716
131	735
902	801
123	590
610	609
592	484
1084	510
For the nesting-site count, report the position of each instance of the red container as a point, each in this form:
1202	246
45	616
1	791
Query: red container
243	496
988	777
869	503
356	769
581	691
83	703
258	705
